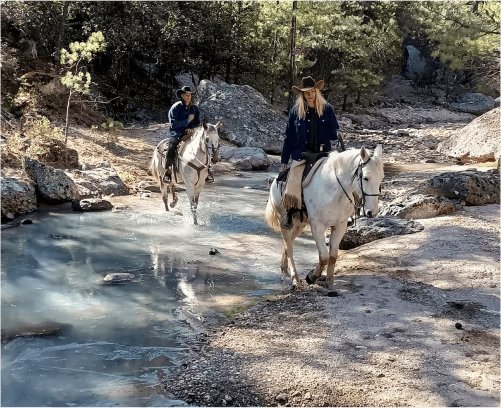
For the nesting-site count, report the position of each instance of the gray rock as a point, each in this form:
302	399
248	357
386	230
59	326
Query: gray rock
34	330
474	103
151	186
472	186
99	181
496	102
52	185
116	278
18	197
246	116
91	204
420	206
479	141
370	229
247	158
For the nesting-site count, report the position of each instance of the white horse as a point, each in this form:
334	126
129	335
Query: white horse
330	200
192	162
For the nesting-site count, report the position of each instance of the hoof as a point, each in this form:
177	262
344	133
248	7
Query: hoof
331	287
310	280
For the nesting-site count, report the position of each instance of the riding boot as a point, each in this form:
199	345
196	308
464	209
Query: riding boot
167	177
286	222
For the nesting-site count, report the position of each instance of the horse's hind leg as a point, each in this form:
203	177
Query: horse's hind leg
288	264
336	236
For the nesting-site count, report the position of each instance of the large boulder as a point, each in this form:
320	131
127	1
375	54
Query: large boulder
18	197
474	103
52	185
420	206
246	116
91	204
471	186
99	180
246	158
476	142
367	230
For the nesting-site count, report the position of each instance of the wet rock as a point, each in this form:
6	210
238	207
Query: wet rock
472	186
91	204
479	141
248	119
52	185
18	197
459	326
117	278
148	186
99	181
34	330
420	206
474	103
26	221
247	158
370	229
213	251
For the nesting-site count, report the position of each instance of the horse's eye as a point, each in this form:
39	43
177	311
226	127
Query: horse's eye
366	179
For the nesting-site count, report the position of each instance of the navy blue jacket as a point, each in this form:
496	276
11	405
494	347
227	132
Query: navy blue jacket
297	131
178	118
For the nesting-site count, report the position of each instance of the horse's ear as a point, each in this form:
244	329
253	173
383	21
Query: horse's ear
378	151
218	124
204	124
364	154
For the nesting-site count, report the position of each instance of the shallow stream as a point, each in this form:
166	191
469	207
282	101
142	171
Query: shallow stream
119	340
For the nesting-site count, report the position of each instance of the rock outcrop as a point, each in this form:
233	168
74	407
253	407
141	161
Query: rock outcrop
419	207
53	186
246	158
18	197
95	181
246	116
370	229
476	142
471	186
474	103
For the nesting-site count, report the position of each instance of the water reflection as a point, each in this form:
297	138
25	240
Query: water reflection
117	340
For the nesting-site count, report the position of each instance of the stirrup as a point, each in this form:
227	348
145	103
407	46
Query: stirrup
167	177
286	222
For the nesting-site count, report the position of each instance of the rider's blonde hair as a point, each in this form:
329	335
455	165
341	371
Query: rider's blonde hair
302	106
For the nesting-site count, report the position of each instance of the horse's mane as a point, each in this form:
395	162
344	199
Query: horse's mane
343	161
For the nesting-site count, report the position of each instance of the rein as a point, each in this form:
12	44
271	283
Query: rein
202	166
358	172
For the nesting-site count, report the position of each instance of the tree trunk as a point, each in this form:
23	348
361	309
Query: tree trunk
292	54
62	29
345	99
67	119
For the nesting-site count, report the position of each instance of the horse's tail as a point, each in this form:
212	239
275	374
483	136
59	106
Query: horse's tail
271	215
156	168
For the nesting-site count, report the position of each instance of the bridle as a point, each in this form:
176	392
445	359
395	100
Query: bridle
359	174
214	150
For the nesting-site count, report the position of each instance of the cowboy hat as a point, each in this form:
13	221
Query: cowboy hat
184	89
308	83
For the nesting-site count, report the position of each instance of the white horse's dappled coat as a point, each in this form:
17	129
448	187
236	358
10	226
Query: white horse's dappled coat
193	164
329	199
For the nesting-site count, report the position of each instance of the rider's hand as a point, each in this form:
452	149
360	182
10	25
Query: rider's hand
191	117
284	166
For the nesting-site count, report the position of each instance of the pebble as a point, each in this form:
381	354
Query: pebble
213	251
459	326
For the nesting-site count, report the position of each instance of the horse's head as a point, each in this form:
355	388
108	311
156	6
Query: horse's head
369	176
212	140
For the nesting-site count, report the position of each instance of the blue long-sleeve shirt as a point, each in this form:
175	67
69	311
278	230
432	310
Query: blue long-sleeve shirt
298	130
178	118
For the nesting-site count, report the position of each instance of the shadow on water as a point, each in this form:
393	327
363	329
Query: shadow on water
120	339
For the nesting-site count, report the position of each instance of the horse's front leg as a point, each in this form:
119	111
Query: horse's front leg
318	232
289	256
337	234
164	189
284	264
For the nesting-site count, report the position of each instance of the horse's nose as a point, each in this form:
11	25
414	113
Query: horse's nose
369	214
